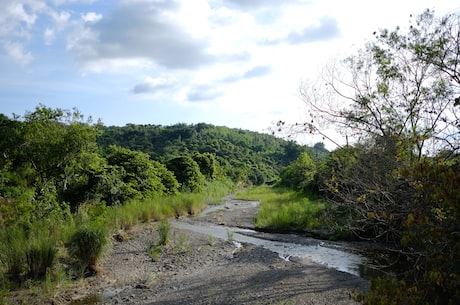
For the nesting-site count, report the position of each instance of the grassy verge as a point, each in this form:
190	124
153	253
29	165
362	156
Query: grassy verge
283	208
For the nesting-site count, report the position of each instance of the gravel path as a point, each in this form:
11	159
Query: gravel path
198	269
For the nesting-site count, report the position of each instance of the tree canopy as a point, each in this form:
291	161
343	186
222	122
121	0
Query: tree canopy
243	155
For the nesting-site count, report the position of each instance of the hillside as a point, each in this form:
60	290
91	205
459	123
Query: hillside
244	155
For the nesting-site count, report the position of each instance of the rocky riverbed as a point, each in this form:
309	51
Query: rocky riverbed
197	268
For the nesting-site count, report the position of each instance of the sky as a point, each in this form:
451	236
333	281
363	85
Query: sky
234	63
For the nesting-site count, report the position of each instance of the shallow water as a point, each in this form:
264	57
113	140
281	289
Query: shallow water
341	256
332	255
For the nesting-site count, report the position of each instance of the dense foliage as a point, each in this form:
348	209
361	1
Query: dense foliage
243	156
187	173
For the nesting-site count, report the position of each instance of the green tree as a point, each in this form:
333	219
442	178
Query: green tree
244	156
300	173
187	173
141	176
167	178
42	153
208	164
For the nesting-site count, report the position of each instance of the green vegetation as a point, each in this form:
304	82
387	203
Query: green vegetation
300	173
40	256
87	245
187	173
163	230
67	184
243	156
62	195
398	183
285	209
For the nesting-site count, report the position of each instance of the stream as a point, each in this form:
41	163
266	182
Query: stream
342	256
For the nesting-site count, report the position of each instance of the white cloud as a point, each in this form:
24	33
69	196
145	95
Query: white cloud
62	2
49	35
200	93
17	53
258	4
16	18
140	30
240	60
19	23
152	85
60	21
91	17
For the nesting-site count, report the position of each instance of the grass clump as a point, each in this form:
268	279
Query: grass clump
163	231
230	234
211	240
182	245
40	257
87	245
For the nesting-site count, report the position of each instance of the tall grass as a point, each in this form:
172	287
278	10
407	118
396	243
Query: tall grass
40	256
163	231
27	253
217	189
13	245
283	208
186	204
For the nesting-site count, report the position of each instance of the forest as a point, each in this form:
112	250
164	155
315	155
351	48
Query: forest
395	182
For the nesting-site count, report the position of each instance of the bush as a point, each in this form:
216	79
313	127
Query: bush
87	246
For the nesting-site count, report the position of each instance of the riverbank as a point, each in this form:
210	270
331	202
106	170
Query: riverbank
196	268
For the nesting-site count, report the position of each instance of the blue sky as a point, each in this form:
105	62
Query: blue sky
237	63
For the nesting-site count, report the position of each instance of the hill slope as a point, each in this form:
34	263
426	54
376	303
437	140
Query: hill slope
243	155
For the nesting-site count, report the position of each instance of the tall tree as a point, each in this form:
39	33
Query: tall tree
401	85
396	96
44	151
398	100
143	177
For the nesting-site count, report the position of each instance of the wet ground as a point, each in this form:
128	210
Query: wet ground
235	218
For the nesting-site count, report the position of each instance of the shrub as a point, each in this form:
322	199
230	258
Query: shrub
300	173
